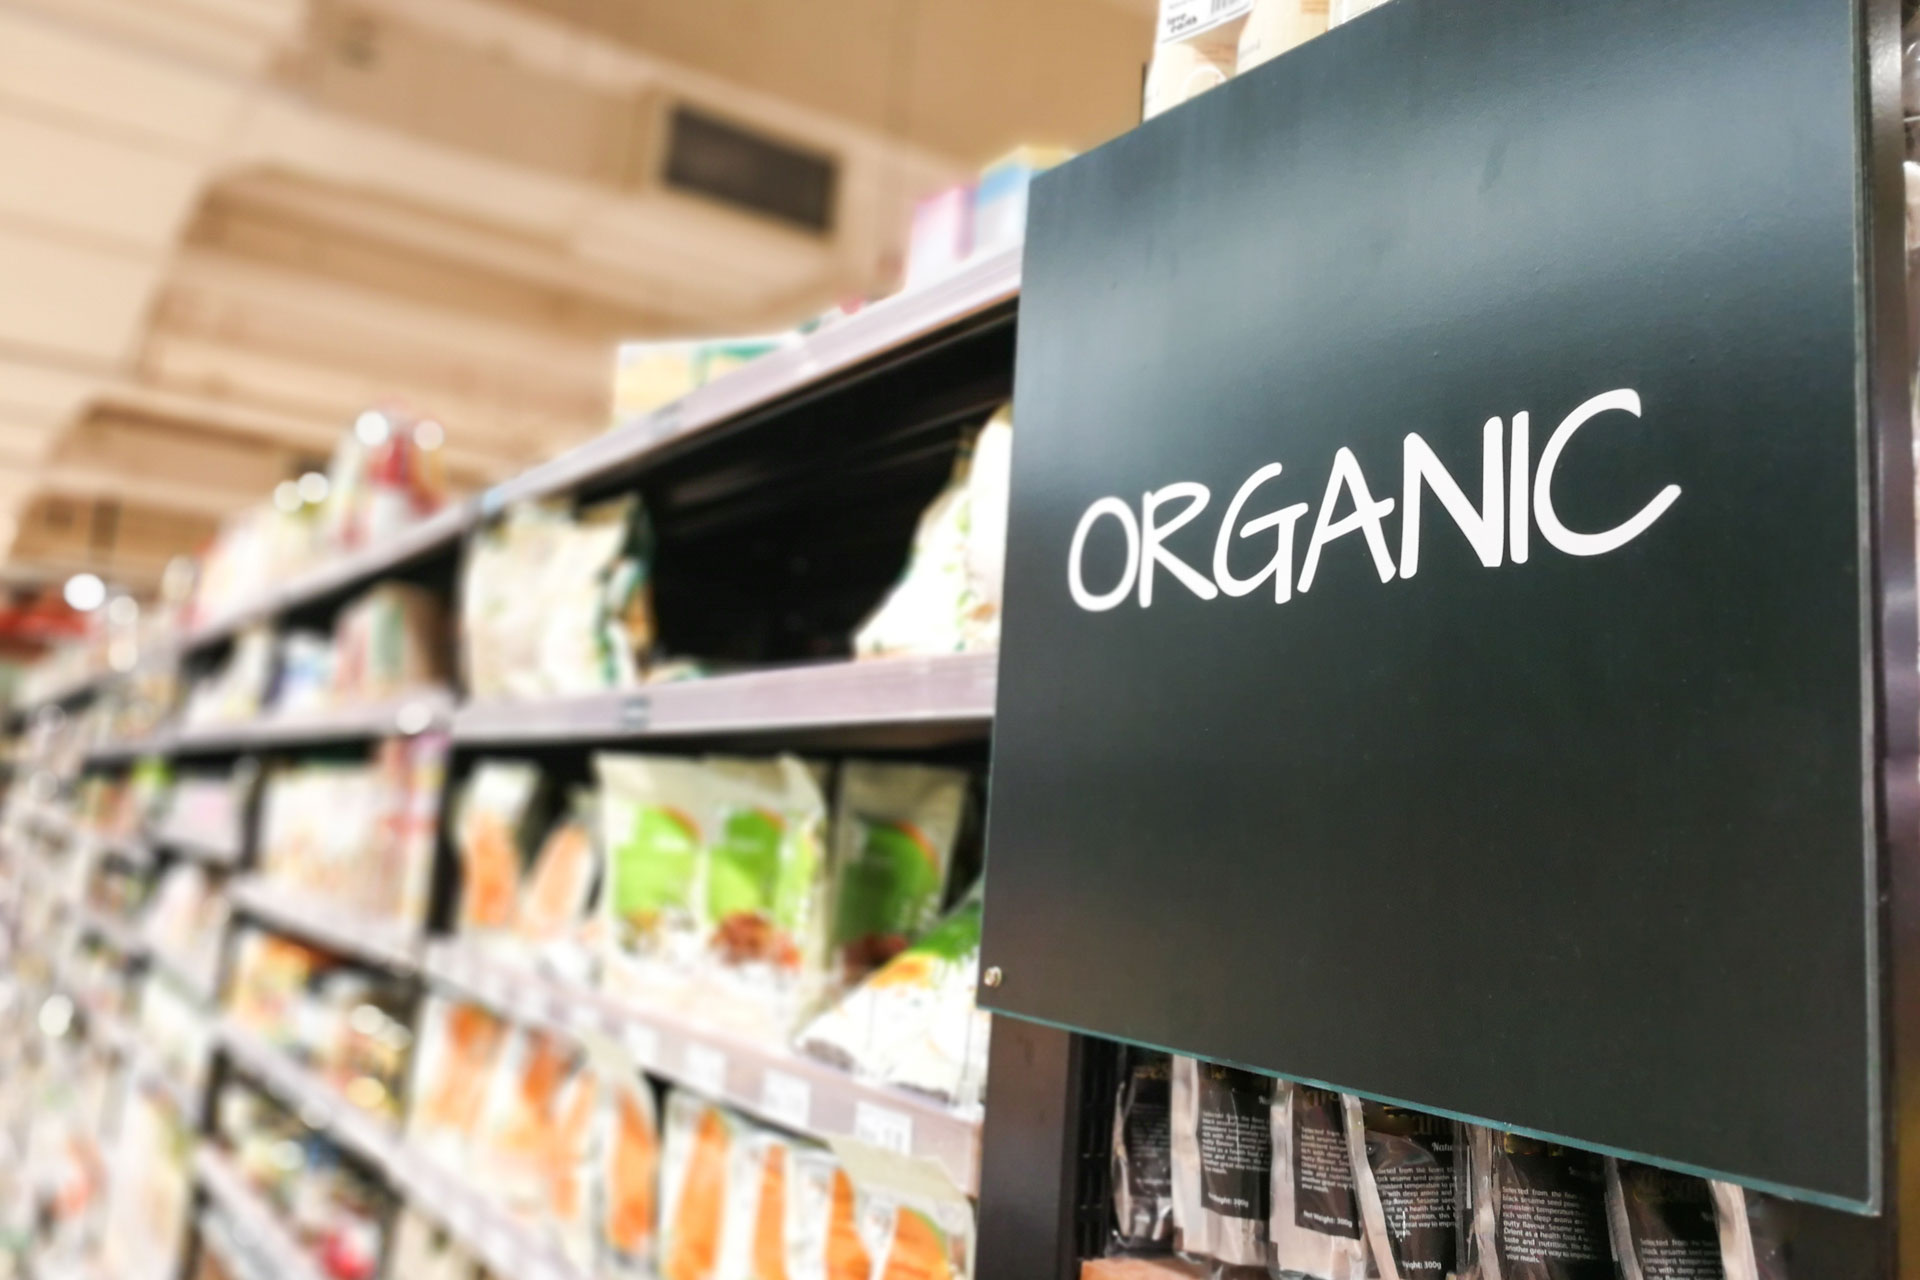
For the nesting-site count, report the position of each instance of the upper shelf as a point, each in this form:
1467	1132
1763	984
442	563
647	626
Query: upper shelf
885	332
890	327
953	692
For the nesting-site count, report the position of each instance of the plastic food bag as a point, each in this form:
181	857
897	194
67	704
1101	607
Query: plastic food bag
554	603
948	601
1662	1224
1751	1245
1405	1182
913	1023
497	816
695	1162
534	1136
1539	1210
766	890
556	892
1142	1158
459	1049
1314	1222
1275	26
655	822
894	832
1222	1161
630	1179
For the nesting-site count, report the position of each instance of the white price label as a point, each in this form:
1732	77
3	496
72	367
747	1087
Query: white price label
1183	19
705	1068
643	1042
883	1127
787	1100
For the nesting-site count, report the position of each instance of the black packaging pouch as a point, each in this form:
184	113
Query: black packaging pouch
1315	1225
1405	1183
1142	1153
1539	1210
1235	1162
1663	1224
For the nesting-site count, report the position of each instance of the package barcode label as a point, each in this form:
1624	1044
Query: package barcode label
1184	19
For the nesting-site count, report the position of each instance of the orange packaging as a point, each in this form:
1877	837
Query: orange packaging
696	1157
632	1178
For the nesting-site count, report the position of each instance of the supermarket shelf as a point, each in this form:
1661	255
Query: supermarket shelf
383	942
791	1091
885	328
318	1104
504	1247
253	1219
436	532
415	713
125	750
957	689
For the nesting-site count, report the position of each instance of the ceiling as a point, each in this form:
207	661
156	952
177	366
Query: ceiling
229	226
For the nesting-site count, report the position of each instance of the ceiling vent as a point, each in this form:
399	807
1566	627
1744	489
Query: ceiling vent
748	170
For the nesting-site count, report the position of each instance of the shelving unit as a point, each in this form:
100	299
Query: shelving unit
862	417
384	943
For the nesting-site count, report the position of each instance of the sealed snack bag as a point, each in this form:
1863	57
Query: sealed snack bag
1222	1161
754	1243
913	1023
630	1179
494	828
948	600
1751	1240
894	831
1662	1224
766	893
1405	1184
1315	1222
534	1134
1142	1159
695	1162
1538	1210
556	893
824	1240
656	815
453	1072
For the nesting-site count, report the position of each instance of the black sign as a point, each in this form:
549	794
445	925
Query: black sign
1434	659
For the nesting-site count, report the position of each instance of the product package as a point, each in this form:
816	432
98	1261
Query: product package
557	890
1662	1224
554	603
630	1177
1314	1221
534	1141
656	819
460	1050
1751	1240
1142	1151
766	896
494	828
387	644
696	1158
1406	1183
1275	26
913	1022
1538	1210
1222	1152
895	827
1198	44
948	601
1339	11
